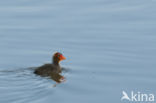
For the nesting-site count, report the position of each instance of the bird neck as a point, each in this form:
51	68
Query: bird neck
55	62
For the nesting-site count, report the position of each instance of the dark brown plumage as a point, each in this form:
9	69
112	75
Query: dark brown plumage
51	69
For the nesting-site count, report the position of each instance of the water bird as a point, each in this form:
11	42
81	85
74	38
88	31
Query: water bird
53	69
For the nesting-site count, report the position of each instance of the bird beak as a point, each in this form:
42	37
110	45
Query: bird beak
62	57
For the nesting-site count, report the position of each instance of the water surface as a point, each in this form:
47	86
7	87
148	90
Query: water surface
109	46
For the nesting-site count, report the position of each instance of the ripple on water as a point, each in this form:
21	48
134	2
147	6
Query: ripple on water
22	85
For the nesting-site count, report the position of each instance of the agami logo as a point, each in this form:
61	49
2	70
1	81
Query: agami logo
138	96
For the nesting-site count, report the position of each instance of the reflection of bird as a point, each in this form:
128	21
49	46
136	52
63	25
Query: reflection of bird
52	69
125	96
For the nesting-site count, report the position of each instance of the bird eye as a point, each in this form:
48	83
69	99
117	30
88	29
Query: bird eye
58	55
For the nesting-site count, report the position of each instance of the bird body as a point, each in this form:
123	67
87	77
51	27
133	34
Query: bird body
47	70
50	69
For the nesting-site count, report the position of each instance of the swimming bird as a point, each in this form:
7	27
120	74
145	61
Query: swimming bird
51	69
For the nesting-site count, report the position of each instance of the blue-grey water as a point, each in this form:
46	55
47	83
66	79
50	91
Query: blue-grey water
110	46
